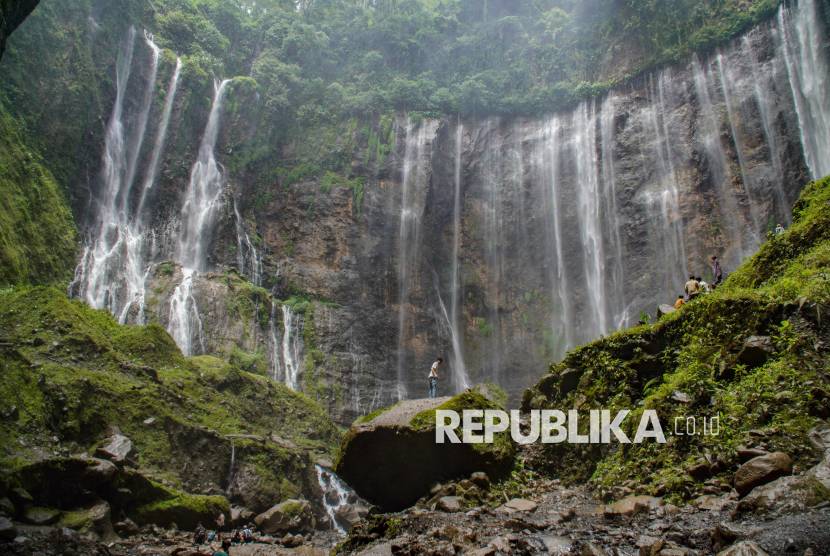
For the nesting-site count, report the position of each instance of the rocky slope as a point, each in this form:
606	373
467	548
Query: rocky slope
188	438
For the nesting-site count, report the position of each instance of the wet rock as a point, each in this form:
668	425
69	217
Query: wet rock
521	505
399	446
481	480
41	516
762	470
620	492
325	464
450	504
99	473
590	549
648	545
700	471
347	515
557	546
755	351
787	495
727	533
126	528
6	508
120	451
745	454
293	516
8	531
628	506
743	548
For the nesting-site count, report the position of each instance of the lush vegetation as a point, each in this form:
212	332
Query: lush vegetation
333	58
689	364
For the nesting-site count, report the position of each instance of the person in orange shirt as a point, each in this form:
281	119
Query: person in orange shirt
680	302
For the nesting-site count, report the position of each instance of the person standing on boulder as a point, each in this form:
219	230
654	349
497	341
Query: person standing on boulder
433	377
717	273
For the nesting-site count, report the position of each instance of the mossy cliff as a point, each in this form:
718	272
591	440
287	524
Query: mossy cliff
702	361
70	372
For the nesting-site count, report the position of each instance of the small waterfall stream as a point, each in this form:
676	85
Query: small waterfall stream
335	494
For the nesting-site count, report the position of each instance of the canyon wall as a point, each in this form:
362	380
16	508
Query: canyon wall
497	244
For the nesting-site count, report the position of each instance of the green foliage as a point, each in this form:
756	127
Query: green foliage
254	363
330	180
36	228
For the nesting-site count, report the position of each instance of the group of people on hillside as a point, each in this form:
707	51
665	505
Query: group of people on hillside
697	286
238	536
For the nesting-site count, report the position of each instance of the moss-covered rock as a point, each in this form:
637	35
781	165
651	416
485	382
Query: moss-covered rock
392	458
185	510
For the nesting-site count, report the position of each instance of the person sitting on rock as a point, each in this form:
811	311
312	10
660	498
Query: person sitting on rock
226	547
679	303
236	537
704	287
433	377
779	229
247	536
199	534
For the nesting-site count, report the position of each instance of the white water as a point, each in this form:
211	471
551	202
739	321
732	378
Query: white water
201	201
589	196
231	467
197	216
290	349
616	299
111	272
460	381
335	494
801	42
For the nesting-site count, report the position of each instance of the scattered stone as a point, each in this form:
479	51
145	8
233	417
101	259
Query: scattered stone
521	505
150	421
628	506
6	508
8	530
648	545
480	479
99	473
449	504
743	548
325	464
590	549
620	492
486	551
126	528
120	450
347	515
762	470
700	471
745	454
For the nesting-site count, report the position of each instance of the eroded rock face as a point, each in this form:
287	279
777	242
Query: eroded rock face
400	449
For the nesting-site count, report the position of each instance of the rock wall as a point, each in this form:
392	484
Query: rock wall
12	14
497	244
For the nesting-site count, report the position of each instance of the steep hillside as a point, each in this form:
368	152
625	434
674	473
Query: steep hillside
753	353
71	373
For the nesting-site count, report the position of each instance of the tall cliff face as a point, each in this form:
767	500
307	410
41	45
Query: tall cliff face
497	244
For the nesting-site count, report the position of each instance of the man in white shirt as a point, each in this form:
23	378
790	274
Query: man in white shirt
433	377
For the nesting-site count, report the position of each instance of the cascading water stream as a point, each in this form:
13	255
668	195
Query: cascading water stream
290	348
197	219
801	40
459	371
612	221
588	194
335	494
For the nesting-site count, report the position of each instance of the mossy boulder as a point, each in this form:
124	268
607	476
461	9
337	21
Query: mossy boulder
291	516
185	510
392	459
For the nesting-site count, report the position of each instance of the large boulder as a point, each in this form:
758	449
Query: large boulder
762	470
185	510
65	483
391	457
291	516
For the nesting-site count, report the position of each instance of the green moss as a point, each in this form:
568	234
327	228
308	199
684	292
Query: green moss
371	416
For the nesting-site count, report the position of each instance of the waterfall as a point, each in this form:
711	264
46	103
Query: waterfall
588	193
202	198
801	41
612	219
290	348
274	345
460	381
335	494
413	176
246	249
547	172
111	271
150	177
230	468
197	218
